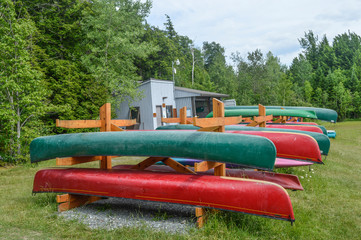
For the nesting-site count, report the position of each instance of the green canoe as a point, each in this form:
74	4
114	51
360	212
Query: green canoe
322	139
324	114
250	151
274	112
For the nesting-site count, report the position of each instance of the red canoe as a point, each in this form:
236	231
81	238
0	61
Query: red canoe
291	145
287	181
235	194
297	127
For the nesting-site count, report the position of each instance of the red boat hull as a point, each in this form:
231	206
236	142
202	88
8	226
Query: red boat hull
287	181
291	145
297	127
235	194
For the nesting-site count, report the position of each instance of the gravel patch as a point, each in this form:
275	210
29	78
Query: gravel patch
115	213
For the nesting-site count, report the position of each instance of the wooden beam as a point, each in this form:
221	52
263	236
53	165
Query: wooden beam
105	117
200	215
78	123
183	115
205	166
74	201
263	118
177	166
124	122
175	113
218	111
115	128
220	170
148	162
209	129
216	121
76	160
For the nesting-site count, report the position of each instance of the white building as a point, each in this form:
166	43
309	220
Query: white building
162	99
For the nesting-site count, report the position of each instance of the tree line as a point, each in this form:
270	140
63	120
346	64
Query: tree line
64	59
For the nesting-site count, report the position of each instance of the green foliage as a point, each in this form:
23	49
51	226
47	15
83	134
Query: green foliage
22	93
113	40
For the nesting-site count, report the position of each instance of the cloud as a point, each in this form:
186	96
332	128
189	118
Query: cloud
244	26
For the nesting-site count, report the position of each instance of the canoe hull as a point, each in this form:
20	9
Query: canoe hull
251	151
286	181
322	140
291	145
322	113
274	112
280	163
227	193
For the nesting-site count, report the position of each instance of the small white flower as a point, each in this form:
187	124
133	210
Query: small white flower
302	177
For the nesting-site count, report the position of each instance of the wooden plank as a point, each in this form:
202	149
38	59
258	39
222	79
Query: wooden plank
175	113
177	166
62	198
200	215
115	128
263	118
171	120
220	170
183	115
76	201
76	160
124	122
78	123
105	117
148	162
205	166
216	121
209	129
218	111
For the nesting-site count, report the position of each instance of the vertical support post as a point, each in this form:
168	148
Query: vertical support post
218	111
175	113
183	115
105	118
262	112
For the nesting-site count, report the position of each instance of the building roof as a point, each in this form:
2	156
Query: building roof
201	93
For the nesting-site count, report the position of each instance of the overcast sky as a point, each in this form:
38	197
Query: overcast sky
269	25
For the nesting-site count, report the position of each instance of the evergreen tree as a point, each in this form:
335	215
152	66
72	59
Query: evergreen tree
22	89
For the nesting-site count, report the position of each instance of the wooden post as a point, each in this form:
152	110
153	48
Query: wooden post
69	201
105	117
183	115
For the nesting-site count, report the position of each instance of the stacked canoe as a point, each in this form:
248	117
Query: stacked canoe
243	149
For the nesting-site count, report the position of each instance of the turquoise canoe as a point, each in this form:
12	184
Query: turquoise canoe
324	114
251	151
322	139
274	112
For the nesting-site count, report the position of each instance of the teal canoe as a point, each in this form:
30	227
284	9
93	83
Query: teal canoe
322	139
274	112
251	151
324	114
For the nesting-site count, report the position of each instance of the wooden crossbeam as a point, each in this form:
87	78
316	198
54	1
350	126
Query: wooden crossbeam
177	166
216	121
205	166
182	118
92	123
261	119
148	162
78	160
70	201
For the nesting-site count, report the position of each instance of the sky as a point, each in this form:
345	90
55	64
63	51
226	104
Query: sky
269	25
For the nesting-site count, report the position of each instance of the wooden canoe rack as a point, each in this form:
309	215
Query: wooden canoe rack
182	118
106	124
261	119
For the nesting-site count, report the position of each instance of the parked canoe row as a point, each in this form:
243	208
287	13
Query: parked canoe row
320	113
243	149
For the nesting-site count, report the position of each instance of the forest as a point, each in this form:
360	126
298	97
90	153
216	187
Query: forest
64	59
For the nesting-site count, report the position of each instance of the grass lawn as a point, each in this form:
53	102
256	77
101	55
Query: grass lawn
329	208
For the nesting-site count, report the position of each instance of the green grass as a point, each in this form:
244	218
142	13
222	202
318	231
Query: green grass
329	208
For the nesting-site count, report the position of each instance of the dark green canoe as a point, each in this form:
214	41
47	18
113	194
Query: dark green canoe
274	112
324	114
250	151
322	139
